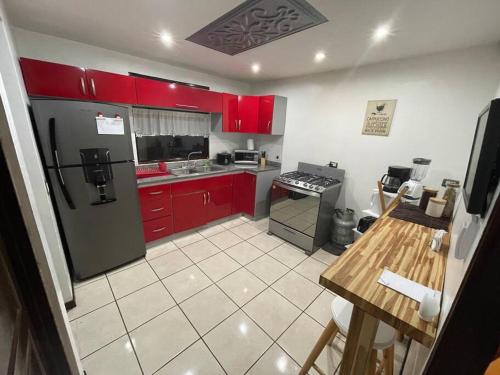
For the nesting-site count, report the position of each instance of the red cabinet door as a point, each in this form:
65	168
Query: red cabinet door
111	87
244	193
248	113
229	113
170	95
219	197
155	93
43	78
157	228
189	210
203	100
266	109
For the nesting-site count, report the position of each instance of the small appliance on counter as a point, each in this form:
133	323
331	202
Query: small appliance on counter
395	177
246	157
250	144
223	158
414	184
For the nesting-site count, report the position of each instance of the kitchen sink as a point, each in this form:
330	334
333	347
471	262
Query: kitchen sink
209	168
196	170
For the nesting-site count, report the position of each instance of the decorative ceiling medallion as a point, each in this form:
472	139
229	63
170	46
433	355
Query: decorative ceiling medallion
257	22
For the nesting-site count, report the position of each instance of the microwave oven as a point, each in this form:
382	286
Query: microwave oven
250	157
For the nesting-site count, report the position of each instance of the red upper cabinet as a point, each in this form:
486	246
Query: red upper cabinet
229	113
248	113
44	78
266	107
254	114
155	93
111	87
171	95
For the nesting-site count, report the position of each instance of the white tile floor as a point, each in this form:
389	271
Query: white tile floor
227	299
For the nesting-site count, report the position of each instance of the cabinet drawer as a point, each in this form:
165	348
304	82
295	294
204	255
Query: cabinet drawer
155	208
157	228
154	193
188	187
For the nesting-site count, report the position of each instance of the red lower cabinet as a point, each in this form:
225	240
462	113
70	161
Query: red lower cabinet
189	210
156	211
179	206
244	193
220	202
157	228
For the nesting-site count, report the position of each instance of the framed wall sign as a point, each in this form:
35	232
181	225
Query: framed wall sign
378	117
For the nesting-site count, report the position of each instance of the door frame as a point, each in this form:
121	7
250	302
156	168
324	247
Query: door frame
27	278
470	336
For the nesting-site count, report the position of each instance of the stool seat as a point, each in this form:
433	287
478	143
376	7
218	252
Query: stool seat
342	311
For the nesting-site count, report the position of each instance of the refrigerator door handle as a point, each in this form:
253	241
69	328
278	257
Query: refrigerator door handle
57	166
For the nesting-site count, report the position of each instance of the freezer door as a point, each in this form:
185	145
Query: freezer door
69	126
102	235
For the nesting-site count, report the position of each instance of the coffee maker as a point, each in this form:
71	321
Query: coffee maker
394	178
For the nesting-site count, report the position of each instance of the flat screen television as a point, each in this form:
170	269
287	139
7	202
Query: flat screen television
483	170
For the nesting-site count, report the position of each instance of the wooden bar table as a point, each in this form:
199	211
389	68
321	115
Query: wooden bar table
403	248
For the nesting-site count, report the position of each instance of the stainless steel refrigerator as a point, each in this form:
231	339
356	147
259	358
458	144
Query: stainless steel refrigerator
87	152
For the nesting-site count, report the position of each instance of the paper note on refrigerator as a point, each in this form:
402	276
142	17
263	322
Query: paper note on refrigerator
405	286
110	125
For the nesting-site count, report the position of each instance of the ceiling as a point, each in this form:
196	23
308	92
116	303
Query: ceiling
131	26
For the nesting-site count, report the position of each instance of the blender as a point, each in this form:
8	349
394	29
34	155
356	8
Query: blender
414	184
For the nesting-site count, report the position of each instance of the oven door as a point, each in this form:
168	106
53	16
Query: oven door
295	208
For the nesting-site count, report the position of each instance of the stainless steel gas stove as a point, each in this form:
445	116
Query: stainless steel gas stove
302	204
307	181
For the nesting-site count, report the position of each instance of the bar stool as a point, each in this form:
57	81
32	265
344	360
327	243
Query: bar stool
384	340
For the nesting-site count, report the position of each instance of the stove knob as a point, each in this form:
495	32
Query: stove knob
296	182
317	188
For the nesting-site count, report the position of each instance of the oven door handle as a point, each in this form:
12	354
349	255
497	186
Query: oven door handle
296	189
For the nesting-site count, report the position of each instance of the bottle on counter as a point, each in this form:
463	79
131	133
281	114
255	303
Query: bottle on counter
426	195
263	159
450	195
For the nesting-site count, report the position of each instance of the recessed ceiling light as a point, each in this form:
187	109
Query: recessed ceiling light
166	38
381	32
320	56
255	68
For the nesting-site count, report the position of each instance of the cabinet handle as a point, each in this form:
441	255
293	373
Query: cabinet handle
159	229
82	85
208	193
157	209
92	86
186	106
236	124
268	125
239	124
155	192
204	199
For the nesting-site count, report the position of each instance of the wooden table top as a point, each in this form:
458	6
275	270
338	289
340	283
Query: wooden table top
403	248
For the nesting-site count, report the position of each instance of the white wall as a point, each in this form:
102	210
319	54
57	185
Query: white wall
16	136
439	97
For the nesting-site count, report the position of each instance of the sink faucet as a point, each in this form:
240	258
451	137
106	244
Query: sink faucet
194	153
186	165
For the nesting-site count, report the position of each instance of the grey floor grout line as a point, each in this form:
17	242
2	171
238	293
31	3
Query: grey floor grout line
302	311
126	329
200	336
